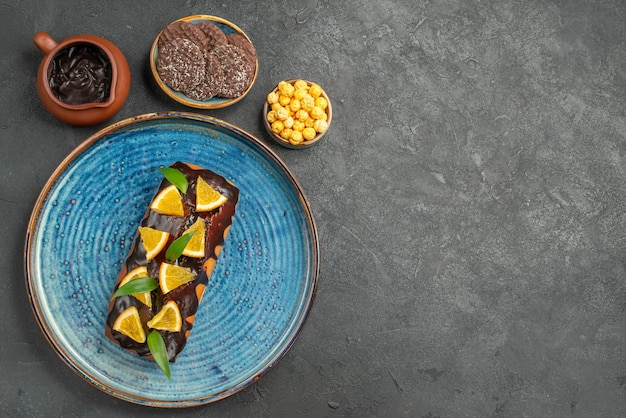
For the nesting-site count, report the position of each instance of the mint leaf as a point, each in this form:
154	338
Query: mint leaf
159	351
175	177
177	247
139	285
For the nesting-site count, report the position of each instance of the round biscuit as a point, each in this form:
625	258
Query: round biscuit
182	29
242	42
238	71
180	64
215	35
212	82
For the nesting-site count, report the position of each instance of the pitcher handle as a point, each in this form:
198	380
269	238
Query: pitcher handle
44	42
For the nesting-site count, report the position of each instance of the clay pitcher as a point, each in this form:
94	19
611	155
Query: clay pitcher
82	80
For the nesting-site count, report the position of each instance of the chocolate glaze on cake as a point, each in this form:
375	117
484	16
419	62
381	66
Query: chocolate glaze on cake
187	296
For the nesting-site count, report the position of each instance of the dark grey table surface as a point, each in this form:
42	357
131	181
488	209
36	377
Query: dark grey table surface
469	198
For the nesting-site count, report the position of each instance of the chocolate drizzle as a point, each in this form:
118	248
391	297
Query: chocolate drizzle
187	295
80	74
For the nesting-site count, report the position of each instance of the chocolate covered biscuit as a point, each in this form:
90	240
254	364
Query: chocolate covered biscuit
242	42
212	82
183	30
238	72
215	36
181	64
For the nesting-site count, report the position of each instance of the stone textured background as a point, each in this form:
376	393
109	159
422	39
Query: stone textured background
469	197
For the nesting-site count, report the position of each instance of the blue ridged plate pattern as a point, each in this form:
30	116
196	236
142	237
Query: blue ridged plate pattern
260	292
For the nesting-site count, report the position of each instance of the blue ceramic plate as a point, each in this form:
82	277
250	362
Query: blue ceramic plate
260	292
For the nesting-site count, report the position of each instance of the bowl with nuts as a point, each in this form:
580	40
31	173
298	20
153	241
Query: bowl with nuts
297	113
204	62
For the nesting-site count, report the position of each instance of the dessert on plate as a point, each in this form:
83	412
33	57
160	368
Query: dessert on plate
162	282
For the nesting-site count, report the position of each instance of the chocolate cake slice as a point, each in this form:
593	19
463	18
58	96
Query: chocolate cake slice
206	208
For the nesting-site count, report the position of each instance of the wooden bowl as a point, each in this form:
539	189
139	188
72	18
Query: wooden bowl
305	143
214	102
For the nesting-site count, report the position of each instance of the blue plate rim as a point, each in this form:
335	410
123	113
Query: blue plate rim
33	224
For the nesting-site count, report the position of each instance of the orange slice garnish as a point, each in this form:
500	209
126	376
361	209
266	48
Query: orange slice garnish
129	324
168	318
207	198
172	276
195	246
153	241
168	202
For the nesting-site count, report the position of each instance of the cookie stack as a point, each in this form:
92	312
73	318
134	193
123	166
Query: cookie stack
202	61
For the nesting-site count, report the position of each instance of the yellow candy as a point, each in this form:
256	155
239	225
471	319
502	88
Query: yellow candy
272	97
298	111
296	137
286	133
302	115
308	134
294	105
286	88
300	84
282	113
300	93
317	113
298	125
284	100
321	102
307	102
320	126
277	126
315	90
288	123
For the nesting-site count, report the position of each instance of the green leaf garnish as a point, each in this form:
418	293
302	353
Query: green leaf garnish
159	351
176	248
139	285
175	177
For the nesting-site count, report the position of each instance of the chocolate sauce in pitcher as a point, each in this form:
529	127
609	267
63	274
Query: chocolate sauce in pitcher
80	74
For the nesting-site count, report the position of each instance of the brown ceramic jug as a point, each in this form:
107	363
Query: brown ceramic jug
112	91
